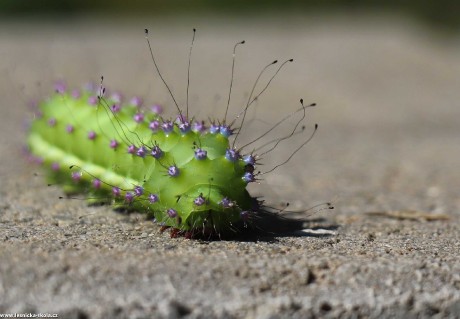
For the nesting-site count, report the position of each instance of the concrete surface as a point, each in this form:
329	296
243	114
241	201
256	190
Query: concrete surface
386	154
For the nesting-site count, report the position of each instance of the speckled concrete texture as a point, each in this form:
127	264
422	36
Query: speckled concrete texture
386	154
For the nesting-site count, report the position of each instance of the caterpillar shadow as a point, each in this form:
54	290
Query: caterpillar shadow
269	226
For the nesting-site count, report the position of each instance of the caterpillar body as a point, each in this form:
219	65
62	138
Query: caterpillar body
185	173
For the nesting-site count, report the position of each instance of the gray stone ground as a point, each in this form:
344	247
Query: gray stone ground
388	143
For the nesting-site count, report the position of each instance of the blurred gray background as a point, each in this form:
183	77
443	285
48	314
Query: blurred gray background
386	78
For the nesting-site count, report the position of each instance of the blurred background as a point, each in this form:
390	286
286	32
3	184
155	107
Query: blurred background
443	13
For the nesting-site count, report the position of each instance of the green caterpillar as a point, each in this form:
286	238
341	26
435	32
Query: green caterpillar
184	173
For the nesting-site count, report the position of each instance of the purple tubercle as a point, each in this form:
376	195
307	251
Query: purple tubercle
232	155
76	176
37	160
167	126
97	183
91	135
153	198
171	213
181	119
33	105
200	200
60	87
76	93
138	190
199	127
131	149
115	108
141	151
70	129
184	127
200	154
214	129
92	100
116	97
136	101
248	177
249	159
226	202
157	109
55	166
154	125
52	122
226	130
113	144
138	117
173	171
116	191
129	197
38	114
156	152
